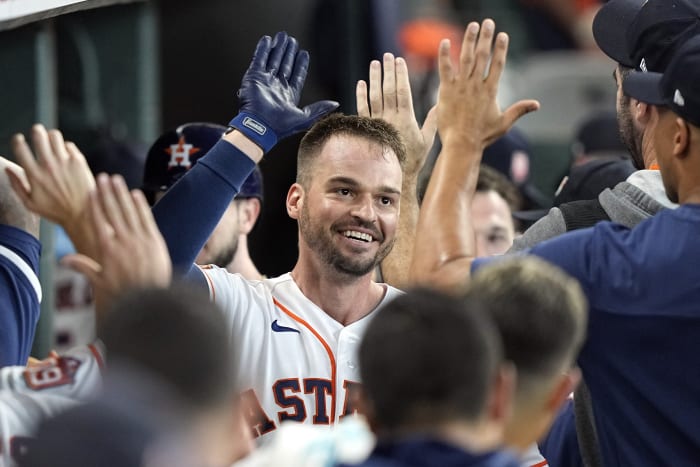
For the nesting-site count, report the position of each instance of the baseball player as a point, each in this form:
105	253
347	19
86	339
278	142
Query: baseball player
641	283
132	253
297	334
33	393
170	157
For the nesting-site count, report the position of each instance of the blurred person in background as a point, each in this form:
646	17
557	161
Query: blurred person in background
173	154
492	207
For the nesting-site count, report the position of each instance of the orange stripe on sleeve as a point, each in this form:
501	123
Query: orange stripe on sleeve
98	356
210	283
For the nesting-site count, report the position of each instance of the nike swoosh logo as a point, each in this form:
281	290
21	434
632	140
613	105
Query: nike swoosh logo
277	328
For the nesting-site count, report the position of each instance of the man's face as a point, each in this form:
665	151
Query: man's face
350	207
492	223
630	134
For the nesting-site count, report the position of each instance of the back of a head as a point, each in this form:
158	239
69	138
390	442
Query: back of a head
97	434
427	359
372	129
178	336
540	312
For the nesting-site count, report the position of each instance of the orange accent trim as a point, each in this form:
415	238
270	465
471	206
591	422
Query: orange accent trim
654	167
98	356
544	463
210	283
331	357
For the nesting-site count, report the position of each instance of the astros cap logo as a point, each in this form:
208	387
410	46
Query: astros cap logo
180	154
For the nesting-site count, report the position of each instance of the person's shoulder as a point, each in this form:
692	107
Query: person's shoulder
549	226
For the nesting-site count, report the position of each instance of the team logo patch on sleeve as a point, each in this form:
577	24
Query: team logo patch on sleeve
52	373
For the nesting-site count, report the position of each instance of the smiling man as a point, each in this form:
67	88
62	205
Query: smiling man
297	335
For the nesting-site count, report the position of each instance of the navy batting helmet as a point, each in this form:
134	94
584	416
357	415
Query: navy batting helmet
176	151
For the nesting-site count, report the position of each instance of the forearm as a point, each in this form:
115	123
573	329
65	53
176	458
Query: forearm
444	242
192	208
395	267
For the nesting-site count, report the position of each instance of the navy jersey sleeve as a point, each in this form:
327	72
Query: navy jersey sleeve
560	444
20	294
604	259
191	209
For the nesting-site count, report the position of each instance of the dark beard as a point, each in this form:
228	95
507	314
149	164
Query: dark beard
629	134
320	241
224	256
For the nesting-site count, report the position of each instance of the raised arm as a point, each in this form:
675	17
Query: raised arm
131	252
56	184
269	97
390	99
469	119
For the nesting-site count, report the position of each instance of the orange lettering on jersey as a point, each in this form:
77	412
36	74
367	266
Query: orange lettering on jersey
258	420
352	389
51	373
279	389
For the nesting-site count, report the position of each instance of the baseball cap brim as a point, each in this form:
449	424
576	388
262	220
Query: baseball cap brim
645	87
610	27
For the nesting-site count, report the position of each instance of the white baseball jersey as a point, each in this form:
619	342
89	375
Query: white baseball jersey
296	362
28	395
533	458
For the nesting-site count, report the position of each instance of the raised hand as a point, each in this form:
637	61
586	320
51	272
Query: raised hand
390	99
270	93
467	106
131	251
469	119
56	184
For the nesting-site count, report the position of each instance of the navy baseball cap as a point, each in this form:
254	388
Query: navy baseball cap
677	88
176	151
643	34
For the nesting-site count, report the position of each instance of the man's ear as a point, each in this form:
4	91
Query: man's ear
500	403
295	200
641	112
681	138
563	389
248	213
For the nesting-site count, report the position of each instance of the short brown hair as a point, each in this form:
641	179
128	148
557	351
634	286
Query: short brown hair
540	312
375	130
492	180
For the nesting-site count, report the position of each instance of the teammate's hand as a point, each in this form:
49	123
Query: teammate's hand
270	93
131	250
467	107
57	183
391	100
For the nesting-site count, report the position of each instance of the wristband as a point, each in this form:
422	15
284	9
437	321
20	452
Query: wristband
255	129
